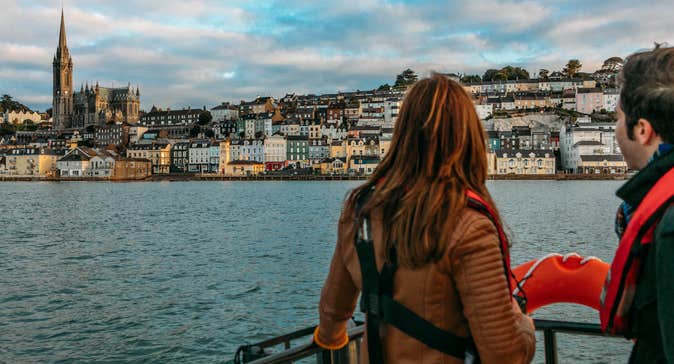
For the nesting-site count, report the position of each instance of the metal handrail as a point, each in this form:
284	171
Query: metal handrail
350	353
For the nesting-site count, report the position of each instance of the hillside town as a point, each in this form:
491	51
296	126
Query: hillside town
557	122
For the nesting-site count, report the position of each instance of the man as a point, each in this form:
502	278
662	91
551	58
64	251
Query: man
638	297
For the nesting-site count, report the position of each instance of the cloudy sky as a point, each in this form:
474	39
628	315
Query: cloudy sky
205	52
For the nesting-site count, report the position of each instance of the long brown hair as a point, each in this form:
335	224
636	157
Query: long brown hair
437	152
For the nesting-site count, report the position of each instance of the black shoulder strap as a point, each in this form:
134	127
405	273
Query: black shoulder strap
369	300
378	304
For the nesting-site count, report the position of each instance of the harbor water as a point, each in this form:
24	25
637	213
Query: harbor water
178	272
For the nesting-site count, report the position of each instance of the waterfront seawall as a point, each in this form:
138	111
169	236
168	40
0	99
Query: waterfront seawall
215	177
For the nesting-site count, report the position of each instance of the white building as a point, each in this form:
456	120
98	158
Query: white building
247	150
18	117
76	162
199	157
225	111
102	164
275	149
586	139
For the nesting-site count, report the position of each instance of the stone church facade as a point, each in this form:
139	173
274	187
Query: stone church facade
93	105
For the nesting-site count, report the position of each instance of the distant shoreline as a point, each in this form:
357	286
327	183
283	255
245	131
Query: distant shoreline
207	177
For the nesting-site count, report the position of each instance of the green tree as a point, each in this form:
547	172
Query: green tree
384	87
489	74
613	64
470	78
572	68
506	73
209	133
9	104
543	74
7	129
406	78
205	118
194	132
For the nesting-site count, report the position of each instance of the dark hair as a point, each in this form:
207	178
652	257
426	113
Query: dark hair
647	91
437	152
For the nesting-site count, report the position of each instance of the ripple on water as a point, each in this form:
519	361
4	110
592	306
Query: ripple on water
186	272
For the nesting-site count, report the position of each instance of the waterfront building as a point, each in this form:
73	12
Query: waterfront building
363	165
330	166
248	149
275	152
199	156
225	154
131	169
29	161
102	165
243	168
158	152
601	164
586	139
76	162
179	157
297	152
529	162
319	149
367	146
214	157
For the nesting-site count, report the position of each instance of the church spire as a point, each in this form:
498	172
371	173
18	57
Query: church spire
63	44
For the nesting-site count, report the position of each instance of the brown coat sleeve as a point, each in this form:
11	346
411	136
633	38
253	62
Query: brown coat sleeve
501	332
338	298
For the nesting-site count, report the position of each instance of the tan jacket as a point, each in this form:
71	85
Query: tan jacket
465	293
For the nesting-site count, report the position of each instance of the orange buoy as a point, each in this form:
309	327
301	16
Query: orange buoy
557	278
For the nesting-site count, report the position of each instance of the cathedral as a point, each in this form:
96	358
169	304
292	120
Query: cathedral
93	105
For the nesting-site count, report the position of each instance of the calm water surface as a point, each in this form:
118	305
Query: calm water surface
185	272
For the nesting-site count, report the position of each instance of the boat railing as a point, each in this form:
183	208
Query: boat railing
260	353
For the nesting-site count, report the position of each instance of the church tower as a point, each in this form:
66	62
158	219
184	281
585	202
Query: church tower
62	108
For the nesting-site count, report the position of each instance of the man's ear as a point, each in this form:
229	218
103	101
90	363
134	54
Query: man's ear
644	133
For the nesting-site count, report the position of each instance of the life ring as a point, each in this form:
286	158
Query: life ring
557	278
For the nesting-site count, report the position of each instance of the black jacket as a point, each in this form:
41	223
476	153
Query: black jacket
652	315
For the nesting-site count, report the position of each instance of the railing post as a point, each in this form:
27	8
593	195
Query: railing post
347	355
550	346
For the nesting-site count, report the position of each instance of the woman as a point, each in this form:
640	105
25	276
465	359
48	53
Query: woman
439	291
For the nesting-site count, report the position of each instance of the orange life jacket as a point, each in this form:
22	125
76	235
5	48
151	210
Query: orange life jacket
623	276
